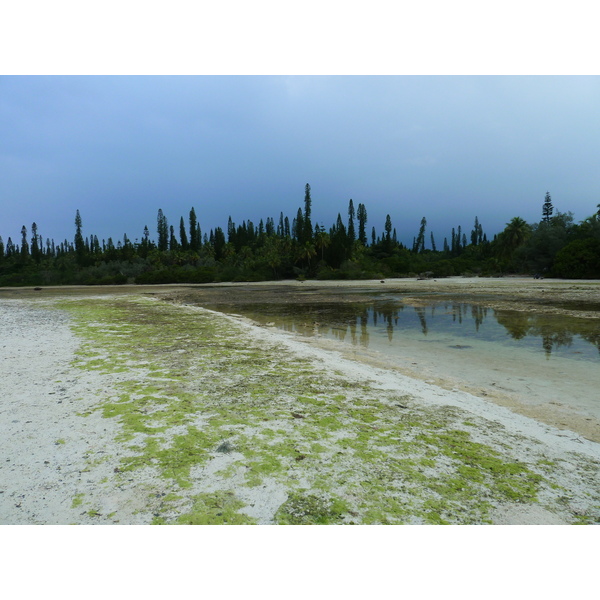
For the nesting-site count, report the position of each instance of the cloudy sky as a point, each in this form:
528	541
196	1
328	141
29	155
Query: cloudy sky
447	148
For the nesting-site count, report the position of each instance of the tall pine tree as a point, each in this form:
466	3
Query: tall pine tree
195	239
547	208
361	215
183	236
162	228
351	233
307	228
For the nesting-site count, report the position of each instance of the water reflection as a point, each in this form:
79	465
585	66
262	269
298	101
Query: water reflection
459	321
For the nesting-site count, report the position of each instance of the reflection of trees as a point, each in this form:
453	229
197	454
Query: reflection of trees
552	336
460	311
478	313
421	314
390	327
592	337
554	331
456	311
364	331
340	321
517	324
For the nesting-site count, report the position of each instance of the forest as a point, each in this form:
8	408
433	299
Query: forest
295	249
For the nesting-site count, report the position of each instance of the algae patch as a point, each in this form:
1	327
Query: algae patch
213	414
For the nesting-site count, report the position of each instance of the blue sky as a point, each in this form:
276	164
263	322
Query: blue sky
445	147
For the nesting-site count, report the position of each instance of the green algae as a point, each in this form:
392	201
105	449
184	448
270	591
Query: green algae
305	508
194	380
77	500
218	508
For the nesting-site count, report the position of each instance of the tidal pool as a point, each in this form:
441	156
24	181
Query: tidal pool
547	363
459	325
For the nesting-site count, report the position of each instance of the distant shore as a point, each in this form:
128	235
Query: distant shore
544	294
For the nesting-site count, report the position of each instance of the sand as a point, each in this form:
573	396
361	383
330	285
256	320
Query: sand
47	444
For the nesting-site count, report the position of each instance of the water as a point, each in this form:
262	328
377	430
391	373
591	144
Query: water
455	325
544	364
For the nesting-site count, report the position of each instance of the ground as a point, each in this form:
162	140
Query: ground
125	405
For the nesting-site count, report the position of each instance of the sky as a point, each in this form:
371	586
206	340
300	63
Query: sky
448	148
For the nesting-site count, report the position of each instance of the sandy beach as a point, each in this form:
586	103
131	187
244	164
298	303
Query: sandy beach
121	408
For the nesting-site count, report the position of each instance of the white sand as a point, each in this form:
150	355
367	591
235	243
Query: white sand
45	443
42	396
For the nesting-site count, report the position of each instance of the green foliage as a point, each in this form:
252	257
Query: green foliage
266	252
579	259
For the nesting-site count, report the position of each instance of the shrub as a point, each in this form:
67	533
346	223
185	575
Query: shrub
579	259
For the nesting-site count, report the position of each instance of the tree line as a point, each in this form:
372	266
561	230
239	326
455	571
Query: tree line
283	249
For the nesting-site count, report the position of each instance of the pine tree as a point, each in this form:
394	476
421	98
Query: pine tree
36	253
24	244
475	232
10	248
547	208
270	227
433	243
351	214
185	245
361	215
162	228
307	229
388	228
173	244
298	227
219	243
420	244
79	241
194	232
230	231
251	232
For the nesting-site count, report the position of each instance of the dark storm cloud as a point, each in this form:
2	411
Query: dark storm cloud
448	148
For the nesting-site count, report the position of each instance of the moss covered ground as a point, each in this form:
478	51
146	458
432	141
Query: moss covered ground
218	417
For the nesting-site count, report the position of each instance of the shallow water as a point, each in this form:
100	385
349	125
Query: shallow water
457	325
544	362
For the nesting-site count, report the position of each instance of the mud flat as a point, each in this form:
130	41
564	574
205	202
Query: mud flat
125	409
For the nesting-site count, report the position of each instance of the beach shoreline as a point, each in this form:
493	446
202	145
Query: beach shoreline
59	467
